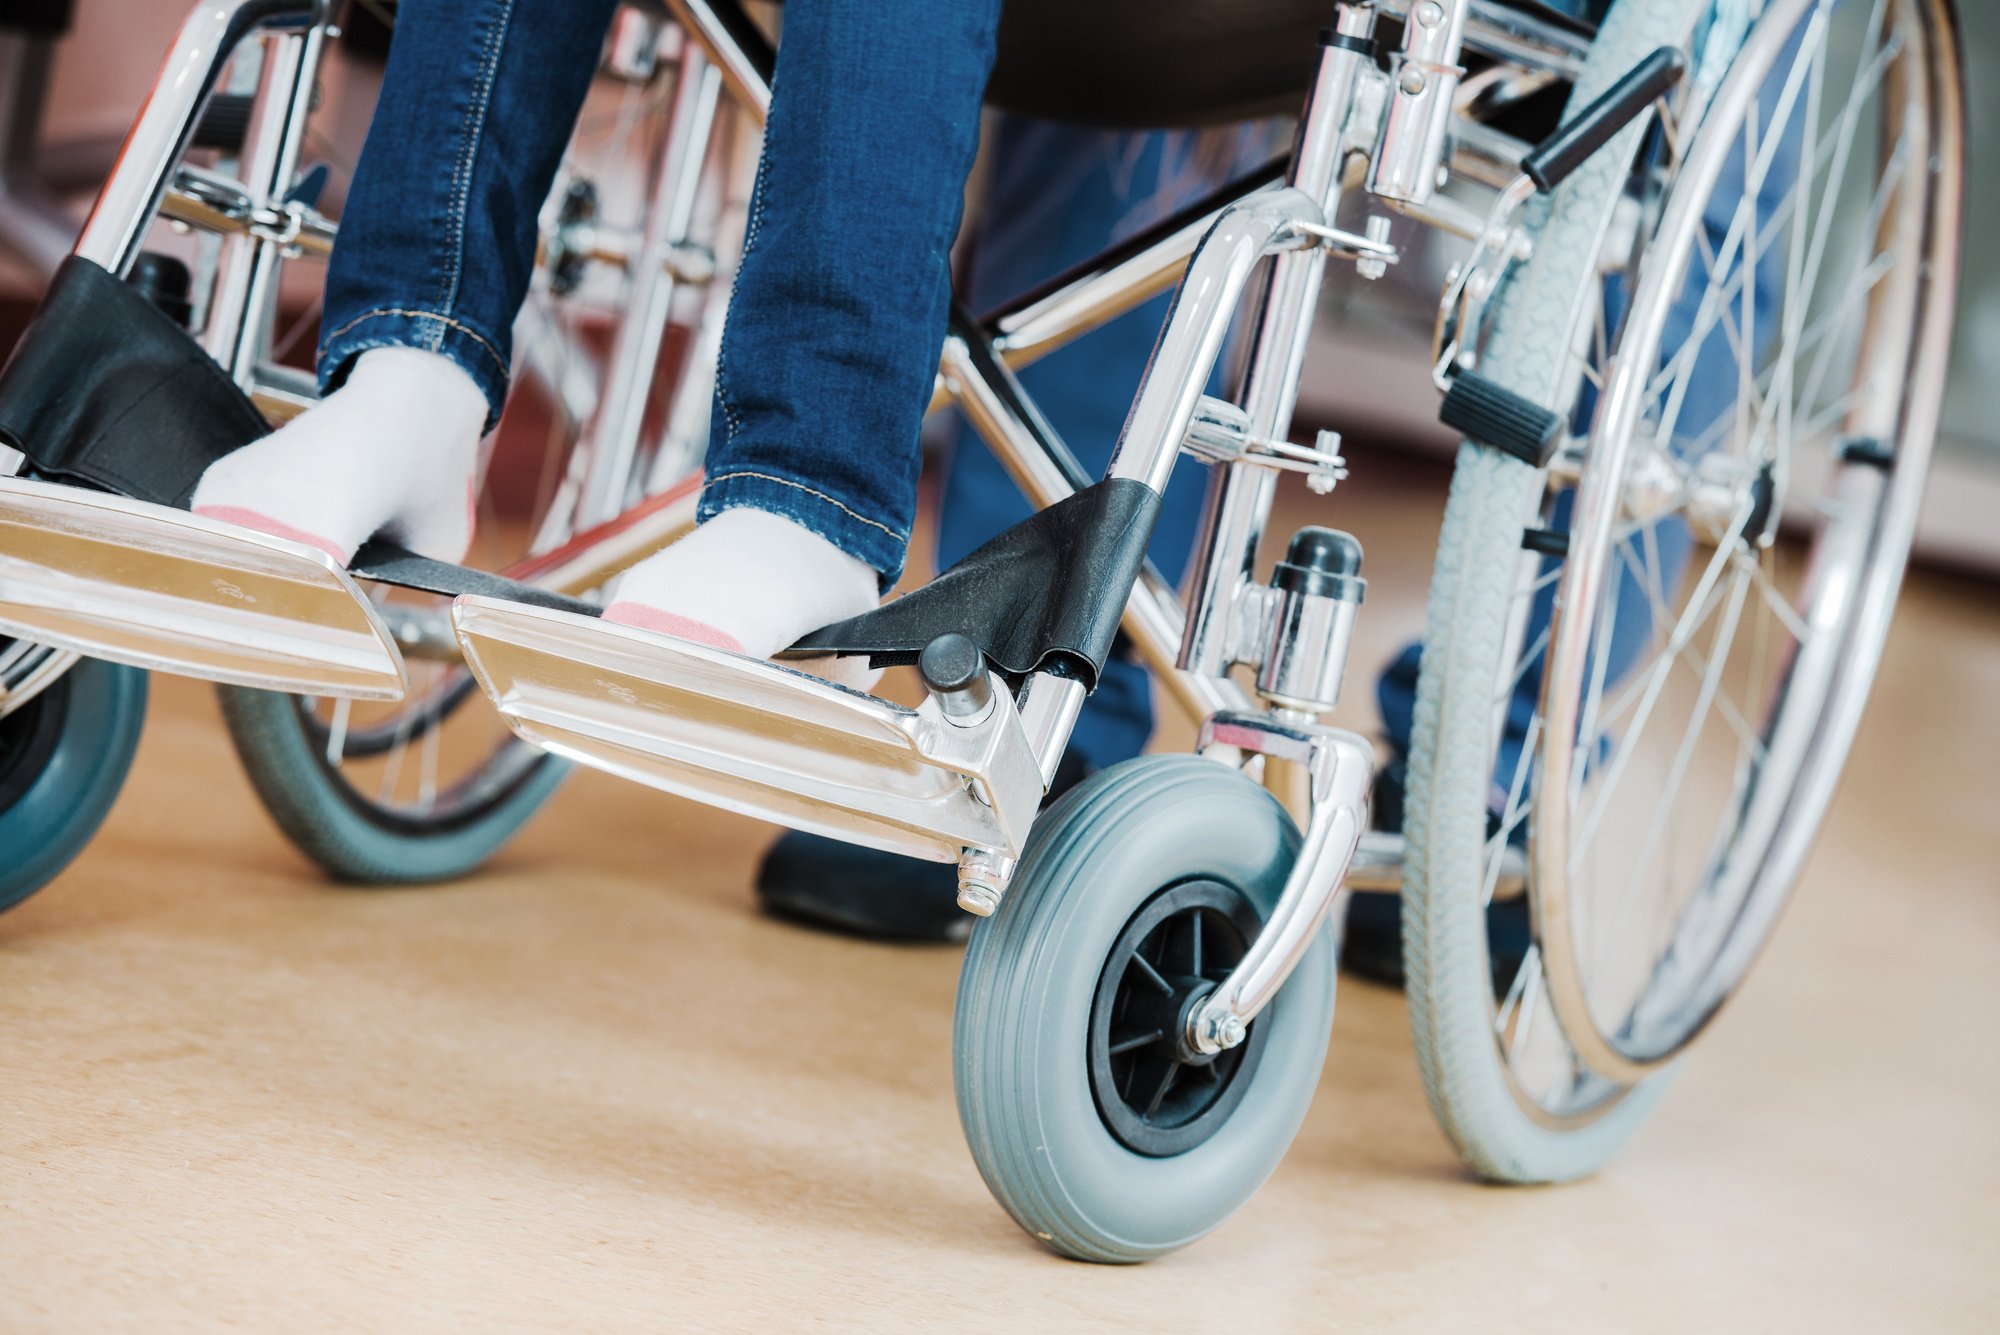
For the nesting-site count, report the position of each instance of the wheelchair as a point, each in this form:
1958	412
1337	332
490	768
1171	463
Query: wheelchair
1695	348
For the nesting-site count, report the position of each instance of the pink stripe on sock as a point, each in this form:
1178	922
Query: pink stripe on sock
277	528
628	613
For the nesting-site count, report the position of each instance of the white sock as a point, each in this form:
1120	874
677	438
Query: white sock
393	451
747	581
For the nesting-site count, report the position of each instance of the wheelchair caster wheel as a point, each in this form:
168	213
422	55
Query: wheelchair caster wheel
1091	1121
63	758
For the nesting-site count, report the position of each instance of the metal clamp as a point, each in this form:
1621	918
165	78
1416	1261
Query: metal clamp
1340	766
115	231
1220	433
215	203
1371	249
579	237
1410	147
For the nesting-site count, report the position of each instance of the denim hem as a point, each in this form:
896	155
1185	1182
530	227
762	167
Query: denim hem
863	538
405	327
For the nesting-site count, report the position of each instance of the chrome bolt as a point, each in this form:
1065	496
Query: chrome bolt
978	899
1372	267
1430	14
1411	82
1323	480
1215	1029
982	879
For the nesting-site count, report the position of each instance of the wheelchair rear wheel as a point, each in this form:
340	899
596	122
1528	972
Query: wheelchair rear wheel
1759	382
63	757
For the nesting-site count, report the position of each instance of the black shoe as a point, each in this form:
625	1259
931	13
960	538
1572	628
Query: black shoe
822	882
1372	946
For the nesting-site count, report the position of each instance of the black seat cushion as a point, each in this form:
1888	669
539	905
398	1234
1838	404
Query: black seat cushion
1138	64
1131	64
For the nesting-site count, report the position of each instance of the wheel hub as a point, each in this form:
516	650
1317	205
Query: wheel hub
1155	1091
28	737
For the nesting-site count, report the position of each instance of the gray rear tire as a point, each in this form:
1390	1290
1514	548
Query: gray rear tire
1493	498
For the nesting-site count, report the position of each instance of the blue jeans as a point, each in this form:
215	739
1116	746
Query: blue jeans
437	239
840	301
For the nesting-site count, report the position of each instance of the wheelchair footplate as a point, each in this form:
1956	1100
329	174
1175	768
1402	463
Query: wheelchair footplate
163	589
753	736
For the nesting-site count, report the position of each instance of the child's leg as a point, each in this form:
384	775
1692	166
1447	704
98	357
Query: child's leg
834	326
437	242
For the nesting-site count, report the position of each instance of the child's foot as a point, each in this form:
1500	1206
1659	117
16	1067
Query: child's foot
747	581
393	451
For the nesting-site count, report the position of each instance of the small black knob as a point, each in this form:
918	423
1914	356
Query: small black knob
955	670
1324	562
164	281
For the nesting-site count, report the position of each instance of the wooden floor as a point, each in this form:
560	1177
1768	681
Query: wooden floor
592	1090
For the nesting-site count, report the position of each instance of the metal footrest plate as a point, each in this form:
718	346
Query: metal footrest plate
163	589
751	736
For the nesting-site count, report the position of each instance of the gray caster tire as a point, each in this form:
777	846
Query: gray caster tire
63	758
1078	1128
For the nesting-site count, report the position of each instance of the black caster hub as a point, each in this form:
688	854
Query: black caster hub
1156	1093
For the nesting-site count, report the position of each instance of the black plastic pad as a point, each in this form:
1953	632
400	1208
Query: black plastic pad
1046	595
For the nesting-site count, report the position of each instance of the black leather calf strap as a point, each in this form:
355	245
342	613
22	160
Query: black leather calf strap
104	390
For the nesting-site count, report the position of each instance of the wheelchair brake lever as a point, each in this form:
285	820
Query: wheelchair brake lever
1477	407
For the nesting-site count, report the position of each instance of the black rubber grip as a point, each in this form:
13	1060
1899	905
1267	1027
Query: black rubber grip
1496	417
1869	452
1592	128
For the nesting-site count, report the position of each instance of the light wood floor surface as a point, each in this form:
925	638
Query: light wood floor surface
591	1089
